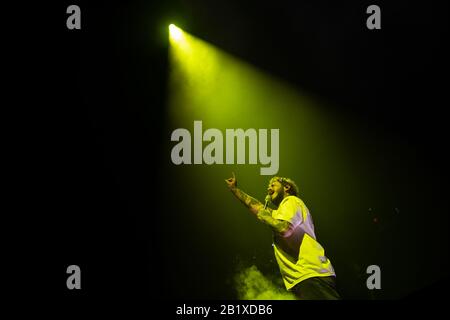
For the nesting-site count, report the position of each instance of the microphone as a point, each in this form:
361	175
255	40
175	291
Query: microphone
267	201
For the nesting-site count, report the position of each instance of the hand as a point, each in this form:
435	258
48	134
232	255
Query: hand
231	182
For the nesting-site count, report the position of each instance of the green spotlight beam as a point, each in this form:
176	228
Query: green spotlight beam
315	148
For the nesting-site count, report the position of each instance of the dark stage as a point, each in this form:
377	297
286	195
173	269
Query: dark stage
362	129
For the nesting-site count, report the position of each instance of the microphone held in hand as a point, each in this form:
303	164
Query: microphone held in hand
267	201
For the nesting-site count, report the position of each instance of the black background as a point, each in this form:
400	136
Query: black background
93	163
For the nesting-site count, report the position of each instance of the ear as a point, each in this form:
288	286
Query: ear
287	188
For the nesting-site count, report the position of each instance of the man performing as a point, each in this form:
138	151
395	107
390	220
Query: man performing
305	269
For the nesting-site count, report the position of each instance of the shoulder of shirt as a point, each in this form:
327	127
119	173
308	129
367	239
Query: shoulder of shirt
290	199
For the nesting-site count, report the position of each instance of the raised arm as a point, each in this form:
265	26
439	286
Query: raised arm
257	208
251	203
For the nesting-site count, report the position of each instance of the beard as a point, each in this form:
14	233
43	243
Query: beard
278	198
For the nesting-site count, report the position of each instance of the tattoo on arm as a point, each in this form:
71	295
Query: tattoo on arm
280	226
253	204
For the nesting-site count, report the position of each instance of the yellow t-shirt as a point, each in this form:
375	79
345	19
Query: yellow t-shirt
299	255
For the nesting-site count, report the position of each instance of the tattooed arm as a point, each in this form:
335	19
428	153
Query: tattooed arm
257	208
251	203
282	227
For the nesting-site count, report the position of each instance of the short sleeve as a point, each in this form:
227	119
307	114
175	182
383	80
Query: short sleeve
289	210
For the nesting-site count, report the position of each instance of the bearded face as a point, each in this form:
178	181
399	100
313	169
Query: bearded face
276	191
